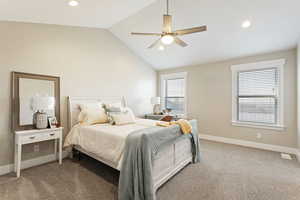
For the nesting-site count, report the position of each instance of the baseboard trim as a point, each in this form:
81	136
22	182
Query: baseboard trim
256	145
31	163
49	158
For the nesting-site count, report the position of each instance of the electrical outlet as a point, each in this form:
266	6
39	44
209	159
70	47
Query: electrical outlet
258	135
36	148
286	156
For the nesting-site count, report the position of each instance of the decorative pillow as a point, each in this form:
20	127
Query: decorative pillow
92	113
113	108
126	116
117	105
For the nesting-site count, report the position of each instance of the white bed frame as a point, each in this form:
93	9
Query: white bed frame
170	161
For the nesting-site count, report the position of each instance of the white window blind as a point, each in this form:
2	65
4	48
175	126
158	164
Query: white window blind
174	98
258	98
257	94
173	92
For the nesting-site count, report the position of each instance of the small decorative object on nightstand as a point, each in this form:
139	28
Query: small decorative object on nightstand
52	122
33	136
156	105
167	111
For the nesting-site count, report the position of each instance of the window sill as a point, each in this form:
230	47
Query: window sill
257	125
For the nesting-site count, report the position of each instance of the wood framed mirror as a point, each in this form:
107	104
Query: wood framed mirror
24	88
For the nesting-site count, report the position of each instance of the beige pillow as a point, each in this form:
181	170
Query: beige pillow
95	105
126	116
92	114
113	105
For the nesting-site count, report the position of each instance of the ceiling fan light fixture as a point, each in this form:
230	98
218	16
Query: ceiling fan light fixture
167	39
168	36
161	48
73	3
246	24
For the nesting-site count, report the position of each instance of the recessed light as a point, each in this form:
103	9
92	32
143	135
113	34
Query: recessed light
73	3
246	24
161	48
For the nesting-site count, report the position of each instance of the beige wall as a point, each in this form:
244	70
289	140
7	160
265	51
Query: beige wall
209	100
90	62
298	92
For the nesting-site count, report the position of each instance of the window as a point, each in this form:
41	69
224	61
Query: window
257	94
173	92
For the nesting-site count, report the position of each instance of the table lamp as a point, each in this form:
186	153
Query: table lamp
41	105
156	102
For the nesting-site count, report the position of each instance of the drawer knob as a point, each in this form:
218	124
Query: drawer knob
32	137
52	134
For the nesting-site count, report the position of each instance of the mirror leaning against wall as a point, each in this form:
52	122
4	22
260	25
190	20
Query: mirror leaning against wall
35	99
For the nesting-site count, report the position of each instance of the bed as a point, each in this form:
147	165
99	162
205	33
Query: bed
170	160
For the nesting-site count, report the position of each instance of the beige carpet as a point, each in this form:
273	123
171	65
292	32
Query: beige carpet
227	172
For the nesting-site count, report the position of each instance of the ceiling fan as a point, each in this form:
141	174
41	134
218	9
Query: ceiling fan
168	36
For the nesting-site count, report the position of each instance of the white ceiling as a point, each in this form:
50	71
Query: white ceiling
89	13
275	26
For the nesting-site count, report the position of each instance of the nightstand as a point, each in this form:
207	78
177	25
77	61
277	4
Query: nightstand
161	117
33	136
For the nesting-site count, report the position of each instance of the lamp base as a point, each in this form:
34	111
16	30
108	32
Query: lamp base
40	120
156	109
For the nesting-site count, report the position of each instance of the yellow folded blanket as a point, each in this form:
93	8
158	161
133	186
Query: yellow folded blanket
185	126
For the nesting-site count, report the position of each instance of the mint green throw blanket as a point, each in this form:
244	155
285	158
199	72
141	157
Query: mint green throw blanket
136	182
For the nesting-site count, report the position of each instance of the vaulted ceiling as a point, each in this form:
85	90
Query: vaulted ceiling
275	25
89	13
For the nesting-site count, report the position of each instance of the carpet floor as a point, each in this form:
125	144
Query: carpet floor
226	172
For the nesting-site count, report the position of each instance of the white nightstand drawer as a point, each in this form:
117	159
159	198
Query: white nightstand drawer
40	137
51	135
31	138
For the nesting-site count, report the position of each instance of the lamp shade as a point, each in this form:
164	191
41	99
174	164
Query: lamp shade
155	100
40	103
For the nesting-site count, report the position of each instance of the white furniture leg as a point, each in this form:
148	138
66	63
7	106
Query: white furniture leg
16	158
55	148
19	155
60	150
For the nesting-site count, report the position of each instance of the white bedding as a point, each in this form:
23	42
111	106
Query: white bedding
105	140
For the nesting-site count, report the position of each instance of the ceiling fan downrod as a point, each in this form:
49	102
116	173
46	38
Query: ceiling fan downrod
167	7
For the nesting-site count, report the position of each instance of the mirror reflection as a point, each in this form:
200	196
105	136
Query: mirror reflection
35	96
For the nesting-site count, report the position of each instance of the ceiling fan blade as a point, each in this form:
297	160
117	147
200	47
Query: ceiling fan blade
191	30
167	26
149	34
154	44
180	42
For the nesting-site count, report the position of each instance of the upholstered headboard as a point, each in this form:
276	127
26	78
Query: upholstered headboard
74	102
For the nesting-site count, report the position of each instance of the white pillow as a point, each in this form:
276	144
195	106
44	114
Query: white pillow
92	114
124	117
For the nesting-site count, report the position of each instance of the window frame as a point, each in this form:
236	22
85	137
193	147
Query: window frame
236	69
163	78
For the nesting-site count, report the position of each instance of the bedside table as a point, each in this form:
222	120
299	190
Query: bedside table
33	136
160	117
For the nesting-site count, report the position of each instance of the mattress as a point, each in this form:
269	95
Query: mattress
104	140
